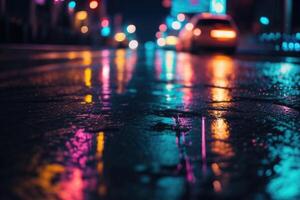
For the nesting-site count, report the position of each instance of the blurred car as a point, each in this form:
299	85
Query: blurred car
208	31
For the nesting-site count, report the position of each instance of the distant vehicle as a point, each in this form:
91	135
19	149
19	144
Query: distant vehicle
208	31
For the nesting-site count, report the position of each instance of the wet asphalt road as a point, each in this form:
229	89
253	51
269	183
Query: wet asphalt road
148	125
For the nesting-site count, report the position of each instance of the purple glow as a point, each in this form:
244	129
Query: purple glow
40	2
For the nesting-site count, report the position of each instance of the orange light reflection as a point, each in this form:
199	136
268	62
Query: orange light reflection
125	66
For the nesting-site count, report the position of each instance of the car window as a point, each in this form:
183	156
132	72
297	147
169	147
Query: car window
213	23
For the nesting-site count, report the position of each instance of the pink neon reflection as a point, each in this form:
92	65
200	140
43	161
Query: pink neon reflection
203	145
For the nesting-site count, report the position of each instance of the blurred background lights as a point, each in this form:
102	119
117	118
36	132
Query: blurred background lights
264	20
105	31
149	45
161	42
104	22
72	5
84	29
58	1
158	35
40	2
94	4
218	6
131	28
189	26
171	40
176	25
133	44
81	15
120	37
163	27
181	17
197	32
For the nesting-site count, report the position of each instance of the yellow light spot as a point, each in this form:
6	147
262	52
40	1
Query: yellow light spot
88	77
71	55
171	40
81	15
223	34
88	99
87	58
222	70
46	176
220	129
120	37
100	143
121	73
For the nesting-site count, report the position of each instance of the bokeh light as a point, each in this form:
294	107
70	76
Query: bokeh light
81	15
133	44
120	37
131	28
161	42
84	29
176	25
94	4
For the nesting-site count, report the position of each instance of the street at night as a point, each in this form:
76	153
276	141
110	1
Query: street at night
149	100
120	124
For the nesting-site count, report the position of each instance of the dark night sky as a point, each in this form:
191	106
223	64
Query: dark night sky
146	14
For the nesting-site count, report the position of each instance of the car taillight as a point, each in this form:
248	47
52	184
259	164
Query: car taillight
223	34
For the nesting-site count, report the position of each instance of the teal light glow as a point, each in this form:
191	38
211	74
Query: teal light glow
189	6
149	45
284	76
264	20
290	46
218	6
286	174
105	31
169	21
72	4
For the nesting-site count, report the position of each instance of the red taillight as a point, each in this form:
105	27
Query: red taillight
223	34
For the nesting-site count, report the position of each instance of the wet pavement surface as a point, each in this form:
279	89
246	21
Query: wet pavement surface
148	125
